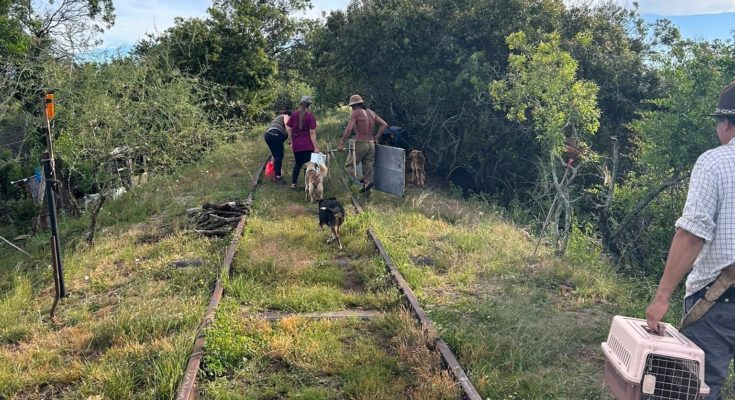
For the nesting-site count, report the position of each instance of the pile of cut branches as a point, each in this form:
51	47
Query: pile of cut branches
218	219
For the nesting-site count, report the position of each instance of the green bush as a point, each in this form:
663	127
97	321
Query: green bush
155	112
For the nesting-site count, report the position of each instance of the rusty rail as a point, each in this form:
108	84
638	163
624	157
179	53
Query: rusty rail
447	355
188	387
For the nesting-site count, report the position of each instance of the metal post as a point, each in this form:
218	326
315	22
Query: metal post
51	199
50	175
57	287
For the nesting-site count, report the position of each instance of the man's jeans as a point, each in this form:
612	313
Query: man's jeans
715	334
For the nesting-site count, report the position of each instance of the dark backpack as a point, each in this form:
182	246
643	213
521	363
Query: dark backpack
394	136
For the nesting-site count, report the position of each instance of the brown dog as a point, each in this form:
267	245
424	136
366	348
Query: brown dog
418	176
315	174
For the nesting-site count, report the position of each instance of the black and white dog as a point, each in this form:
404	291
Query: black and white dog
331	214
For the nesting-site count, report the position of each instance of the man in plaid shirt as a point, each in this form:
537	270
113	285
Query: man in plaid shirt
704	243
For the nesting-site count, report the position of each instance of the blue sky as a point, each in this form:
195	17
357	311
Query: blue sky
697	19
703	26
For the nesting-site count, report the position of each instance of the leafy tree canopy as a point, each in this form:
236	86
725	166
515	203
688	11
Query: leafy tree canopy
237	47
13	40
542	83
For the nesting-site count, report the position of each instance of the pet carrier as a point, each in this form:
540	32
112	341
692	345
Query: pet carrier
642	365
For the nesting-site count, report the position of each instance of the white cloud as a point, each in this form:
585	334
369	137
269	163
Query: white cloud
674	7
135	18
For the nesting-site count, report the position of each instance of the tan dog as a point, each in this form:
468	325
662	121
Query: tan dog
418	176
315	174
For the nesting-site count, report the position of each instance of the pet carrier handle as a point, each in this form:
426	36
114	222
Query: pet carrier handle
661	330
724	281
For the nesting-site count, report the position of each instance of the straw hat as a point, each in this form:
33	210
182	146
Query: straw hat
726	103
355	99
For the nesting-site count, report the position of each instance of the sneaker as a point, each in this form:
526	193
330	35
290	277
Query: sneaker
293	186
279	180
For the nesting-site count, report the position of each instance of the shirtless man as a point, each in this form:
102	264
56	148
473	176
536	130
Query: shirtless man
363	122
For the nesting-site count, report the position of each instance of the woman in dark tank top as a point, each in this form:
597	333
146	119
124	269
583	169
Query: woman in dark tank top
274	137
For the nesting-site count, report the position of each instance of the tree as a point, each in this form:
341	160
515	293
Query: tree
670	137
541	87
237	48
425	65
66	27
14	41
618	58
36	32
14	46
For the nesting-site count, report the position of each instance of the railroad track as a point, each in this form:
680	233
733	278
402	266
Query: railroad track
189	386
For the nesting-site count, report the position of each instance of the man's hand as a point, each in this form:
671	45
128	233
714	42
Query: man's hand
655	313
341	146
684	250
316	149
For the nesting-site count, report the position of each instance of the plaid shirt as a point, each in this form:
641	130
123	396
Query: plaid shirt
709	213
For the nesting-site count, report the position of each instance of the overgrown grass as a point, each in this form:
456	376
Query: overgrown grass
126	328
385	358
284	264
523	327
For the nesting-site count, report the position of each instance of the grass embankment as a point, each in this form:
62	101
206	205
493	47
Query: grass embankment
522	328
126	329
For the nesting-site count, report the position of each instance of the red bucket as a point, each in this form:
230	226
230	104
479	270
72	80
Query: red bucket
270	168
